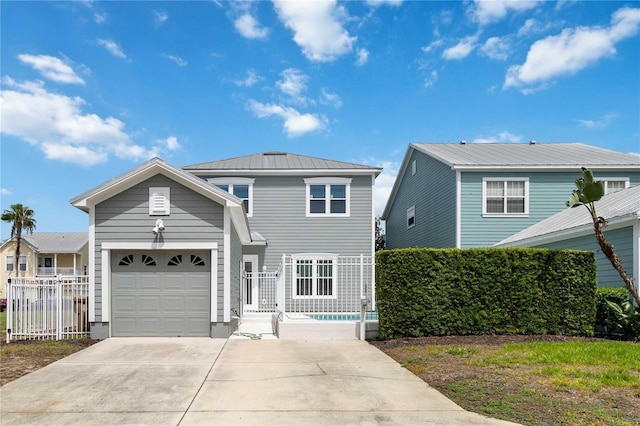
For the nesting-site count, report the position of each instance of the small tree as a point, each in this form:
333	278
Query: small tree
21	219
381	241
587	192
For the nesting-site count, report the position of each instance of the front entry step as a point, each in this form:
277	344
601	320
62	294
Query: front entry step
256	325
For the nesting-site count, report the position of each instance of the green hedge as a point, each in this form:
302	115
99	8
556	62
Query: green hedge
422	292
605	318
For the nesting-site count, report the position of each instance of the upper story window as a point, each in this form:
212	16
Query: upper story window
505	197
612	185
10	264
159	201
328	196
414	167
411	217
240	187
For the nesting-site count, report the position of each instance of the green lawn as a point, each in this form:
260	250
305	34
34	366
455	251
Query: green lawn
577	382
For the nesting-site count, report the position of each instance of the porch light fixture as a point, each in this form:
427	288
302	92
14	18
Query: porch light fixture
159	227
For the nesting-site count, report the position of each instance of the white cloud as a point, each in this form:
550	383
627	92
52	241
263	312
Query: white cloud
171	143
488	11
431	79
317	28
461	50
293	83
57	125
328	98
295	123
496	48
251	79
502	137
436	43
603	121
100	18
160	17
51	68
176	59
363	57
376	3
572	50
384	181
5	191
112	47
249	27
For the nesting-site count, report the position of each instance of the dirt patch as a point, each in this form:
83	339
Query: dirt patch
23	357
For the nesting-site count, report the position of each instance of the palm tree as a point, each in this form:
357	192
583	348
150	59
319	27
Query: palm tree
21	219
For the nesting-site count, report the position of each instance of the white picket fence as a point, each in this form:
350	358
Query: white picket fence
47	308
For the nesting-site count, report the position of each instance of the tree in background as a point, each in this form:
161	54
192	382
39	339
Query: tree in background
381	241
587	192
21	219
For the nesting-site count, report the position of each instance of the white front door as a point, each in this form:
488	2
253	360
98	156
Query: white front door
250	290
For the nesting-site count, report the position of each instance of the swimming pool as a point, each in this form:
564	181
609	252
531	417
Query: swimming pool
370	316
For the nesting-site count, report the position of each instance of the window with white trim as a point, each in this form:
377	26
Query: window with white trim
315	277
240	187
411	217
505	197
612	185
414	167
10	264
328	196
159	201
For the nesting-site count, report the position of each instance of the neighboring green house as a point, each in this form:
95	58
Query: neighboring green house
572	228
475	195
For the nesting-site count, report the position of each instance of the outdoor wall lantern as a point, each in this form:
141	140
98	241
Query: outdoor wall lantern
159	227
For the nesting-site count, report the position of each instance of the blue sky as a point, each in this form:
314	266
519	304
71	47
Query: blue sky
92	89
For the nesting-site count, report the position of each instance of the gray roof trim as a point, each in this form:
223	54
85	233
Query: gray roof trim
155	166
396	183
279	162
620	209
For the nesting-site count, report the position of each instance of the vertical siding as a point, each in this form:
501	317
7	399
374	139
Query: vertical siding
125	218
548	193
433	192
621	239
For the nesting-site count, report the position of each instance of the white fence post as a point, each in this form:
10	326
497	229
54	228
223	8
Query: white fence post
59	307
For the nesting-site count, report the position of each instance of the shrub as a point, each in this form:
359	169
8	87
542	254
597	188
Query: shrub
485	291
606	318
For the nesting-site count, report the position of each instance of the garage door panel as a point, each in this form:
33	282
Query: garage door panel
162	299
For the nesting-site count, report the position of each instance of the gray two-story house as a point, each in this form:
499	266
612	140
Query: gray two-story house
191	251
474	195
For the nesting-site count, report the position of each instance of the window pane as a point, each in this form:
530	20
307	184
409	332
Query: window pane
317	191
515	189
223	187
241	191
515	205
495	205
304	280
316	206
338	206
338	191
615	186
495	188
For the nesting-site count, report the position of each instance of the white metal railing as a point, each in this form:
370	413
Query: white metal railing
47	308
54	272
325	284
259	291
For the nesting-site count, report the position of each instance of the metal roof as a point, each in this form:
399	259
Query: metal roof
619	207
57	242
275	160
527	155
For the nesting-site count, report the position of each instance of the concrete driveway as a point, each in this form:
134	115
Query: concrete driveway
185	381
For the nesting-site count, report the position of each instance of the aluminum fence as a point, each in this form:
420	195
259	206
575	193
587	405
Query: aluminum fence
47	308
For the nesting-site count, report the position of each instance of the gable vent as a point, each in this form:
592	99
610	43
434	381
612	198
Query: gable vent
274	153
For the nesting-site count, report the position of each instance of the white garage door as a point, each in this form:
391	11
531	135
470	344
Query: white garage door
160	293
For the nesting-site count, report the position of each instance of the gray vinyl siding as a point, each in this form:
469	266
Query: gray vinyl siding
621	239
279	214
125	218
433	192
548	193
236	267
